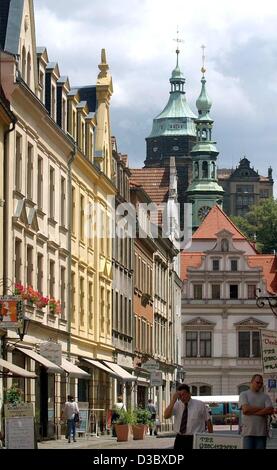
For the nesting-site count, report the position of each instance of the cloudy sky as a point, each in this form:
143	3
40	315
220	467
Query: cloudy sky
241	49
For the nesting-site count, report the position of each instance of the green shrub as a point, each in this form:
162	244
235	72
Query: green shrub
142	416
125	417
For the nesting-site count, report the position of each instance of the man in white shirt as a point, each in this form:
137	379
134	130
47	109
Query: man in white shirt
190	416
69	413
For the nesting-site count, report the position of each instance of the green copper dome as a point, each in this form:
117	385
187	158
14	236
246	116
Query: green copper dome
177	118
204	103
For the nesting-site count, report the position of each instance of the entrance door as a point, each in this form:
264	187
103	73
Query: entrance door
141	396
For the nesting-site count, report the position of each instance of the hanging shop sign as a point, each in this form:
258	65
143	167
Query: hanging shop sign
11	311
150	365
156	378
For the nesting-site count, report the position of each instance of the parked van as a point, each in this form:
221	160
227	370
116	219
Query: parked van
224	409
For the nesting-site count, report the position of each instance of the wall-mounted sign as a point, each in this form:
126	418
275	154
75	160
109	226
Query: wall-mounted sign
156	378
51	351
269	351
150	365
11	311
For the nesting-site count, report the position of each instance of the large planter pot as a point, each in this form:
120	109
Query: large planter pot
122	432
138	431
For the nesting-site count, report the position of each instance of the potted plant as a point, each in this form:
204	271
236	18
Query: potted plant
122	425
142	419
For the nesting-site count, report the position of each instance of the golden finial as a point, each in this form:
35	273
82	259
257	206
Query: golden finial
203	69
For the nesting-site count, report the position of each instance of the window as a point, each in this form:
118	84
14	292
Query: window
215	264
82	302
251	291
191	343
90	302
73	296
30	156
64	116
116	319
73	210
234	288
17	269
40	182
63	196
242	388
198	343
205	344
29	265
41	82
62	291
215	291
249	344
198	291
40	272
18	162
234	264
82	218
52	193
52	278
53	102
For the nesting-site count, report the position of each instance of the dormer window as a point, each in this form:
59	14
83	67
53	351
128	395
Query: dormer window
234	264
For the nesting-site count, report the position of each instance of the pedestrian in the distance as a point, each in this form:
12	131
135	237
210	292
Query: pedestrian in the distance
153	411
71	414
256	407
190	416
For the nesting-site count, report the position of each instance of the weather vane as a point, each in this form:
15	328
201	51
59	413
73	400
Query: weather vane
203	70
179	41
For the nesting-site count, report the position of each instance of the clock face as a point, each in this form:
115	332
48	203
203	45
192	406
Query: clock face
176	147
155	149
203	212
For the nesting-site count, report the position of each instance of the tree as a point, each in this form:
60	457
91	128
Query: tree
261	222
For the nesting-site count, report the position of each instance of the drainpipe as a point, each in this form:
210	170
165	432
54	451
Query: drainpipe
69	259
6	234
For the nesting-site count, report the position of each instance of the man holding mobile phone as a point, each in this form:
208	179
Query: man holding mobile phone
190	416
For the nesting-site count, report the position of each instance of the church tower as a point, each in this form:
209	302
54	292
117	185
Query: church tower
204	191
173	133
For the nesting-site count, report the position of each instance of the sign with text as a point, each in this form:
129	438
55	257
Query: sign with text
156	378
269	351
51	351
19	410
19	426
20	433
217	441
150	365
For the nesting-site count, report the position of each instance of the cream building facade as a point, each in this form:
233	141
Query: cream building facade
58	191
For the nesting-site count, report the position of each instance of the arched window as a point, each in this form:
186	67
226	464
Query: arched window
205	170
213	170
205	390
23	63
29	69
196	170
204	134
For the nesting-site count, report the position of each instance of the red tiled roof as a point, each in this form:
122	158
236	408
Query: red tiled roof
189	260
155	182
269	265
214	222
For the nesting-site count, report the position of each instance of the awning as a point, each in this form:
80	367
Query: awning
73	370
143	381
15	371
101	366
122	373
50	366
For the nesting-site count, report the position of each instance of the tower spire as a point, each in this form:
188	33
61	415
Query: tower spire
179	41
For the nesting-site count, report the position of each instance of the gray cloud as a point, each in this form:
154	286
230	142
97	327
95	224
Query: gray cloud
241	63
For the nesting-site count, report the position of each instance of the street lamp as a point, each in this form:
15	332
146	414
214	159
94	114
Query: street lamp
271	300
23	327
